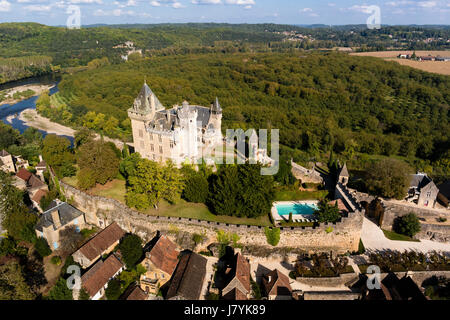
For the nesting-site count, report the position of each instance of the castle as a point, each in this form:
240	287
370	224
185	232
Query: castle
181	134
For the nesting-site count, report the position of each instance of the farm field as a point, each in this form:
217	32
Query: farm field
440	67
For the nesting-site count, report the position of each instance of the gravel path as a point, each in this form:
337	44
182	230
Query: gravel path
373	239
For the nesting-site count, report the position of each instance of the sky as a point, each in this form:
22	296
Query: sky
329	12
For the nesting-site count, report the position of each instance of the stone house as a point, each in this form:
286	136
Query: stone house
33	184
36	199
422	190
40	168
238	279
183	133
102	243
6	162
393	288
135	293
187	280
276	286
59	216
160	263
343	175
96	279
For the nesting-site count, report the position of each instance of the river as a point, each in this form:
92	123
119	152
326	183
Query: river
9	112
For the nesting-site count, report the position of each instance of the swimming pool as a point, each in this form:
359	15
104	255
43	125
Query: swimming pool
305	209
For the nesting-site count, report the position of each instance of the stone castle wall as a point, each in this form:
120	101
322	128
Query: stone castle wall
338	237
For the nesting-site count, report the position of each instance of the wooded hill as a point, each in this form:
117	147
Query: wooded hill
320	101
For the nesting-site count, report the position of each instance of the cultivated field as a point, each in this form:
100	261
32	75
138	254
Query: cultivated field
441	67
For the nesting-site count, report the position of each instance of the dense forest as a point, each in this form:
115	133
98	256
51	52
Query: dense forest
24	67
71	48
357	107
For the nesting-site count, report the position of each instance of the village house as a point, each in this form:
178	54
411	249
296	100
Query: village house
59	216
276	286
35	187
40	168
393	288
444	194
343	175
102	243
238	279
187	280
422	190
96	279
135	293
6	162
36	199
160	263
183	133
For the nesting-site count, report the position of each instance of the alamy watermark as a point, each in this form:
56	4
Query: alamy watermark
74	18
373	277
374	20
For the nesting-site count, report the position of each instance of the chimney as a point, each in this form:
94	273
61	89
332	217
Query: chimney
55	218
40	158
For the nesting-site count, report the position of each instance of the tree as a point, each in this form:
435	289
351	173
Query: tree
12	282
327	213
113	291
60	291
284	175
196	188
86	178
83	136
388	178
42	247
408	225
56	152
241	190
99	161
149	182
131	249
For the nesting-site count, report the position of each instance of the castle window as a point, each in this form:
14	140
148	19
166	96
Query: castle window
160	149
154	157
152	147
141	134
171	144
160	138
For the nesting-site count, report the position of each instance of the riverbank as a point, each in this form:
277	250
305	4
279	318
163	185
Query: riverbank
9	93
32	119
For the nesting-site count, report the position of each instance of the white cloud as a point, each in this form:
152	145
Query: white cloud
427	4
207	2
38	7
128	3
167	3
358	8
306	10
241	2
5	6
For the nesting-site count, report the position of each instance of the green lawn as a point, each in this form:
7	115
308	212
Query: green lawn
116	190
391	235
291	195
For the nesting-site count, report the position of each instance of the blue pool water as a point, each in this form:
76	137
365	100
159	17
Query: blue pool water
302	208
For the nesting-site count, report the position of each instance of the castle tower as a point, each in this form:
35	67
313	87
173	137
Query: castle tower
189	131
216	119
144	108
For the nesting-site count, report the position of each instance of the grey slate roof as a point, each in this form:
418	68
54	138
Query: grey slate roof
162	121
66	212
419	181
344	171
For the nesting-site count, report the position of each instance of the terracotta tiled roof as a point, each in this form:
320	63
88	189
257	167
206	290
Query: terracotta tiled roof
24	174
278	284
102	241
164	255
34	182
242	270
39	195
137	294
187	280
99	275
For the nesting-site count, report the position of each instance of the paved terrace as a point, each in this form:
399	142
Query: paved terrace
373	239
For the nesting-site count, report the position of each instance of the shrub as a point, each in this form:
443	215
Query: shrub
83	295
60	291
272	235
198	238
86	179
56	260
329	229
42	247
408	225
